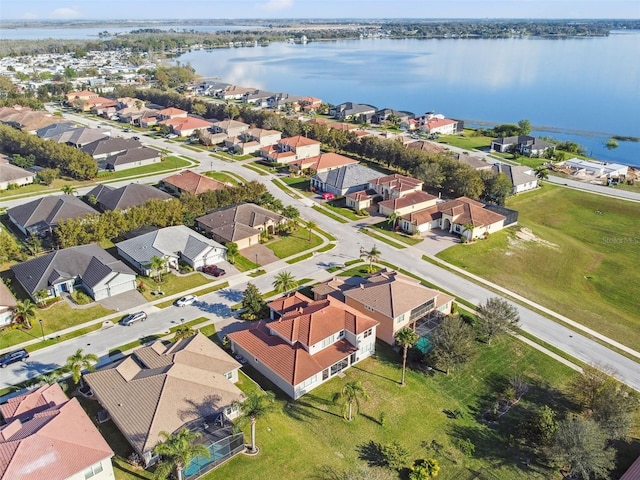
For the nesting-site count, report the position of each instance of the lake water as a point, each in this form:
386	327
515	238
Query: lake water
585	89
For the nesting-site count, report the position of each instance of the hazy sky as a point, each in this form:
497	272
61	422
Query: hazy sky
172	9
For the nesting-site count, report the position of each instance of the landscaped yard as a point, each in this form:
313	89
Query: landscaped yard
468	140
169	163
584	266
224	177
296	242
301	436
172	284
387	227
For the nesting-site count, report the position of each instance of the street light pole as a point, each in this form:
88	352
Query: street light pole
41	328
257	264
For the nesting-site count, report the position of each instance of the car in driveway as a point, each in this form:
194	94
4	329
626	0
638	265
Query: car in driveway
133	318
186	301
328	196
213	270
13	357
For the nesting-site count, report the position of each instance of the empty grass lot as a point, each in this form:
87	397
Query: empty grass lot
589	271
299	436
172	284
469	141
296	242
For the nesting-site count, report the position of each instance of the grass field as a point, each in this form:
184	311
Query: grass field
297	242
172	284
588	270
468	140
387	228
303	435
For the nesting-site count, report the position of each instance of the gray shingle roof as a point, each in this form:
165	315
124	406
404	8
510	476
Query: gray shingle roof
11	173
125	197
79	136
89	262
132	155
55	129
49	210
348	176
110	145
517	174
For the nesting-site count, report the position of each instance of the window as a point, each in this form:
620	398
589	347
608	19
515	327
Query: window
327	341
369	308
341	334
400	319
229	375
93	470
308	381
367	333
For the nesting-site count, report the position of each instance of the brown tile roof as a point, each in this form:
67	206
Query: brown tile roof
164	388
298	141
53	441
464	210
391	293
324	161
289	302
167	112
345	127
6	297
413	198
428	147
192	182
362	194
423	216
244	218
398	182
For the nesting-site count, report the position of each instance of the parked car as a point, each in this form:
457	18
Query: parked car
136	138
13	357
328	196
213	270
133	318
186	301
126	130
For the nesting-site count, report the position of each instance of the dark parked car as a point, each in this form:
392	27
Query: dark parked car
213	270
13	357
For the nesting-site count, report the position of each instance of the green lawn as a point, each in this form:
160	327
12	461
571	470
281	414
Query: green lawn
172	284
301	184
169	163
468	140
224	177
297	242
329	214
299	436
339	206
386	227
381	238
588	271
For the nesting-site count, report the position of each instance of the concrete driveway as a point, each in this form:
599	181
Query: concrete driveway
436	241
124	301
264	255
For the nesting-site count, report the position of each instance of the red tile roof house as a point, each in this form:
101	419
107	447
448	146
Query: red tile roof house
47	436
411	202
320	163
186	126
82	95
309	344
455	216
292	148
395	185
309	103
188	181
171	112
393	300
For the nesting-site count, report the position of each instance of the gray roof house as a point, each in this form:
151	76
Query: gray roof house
79	137
132	158
109	146
174	244
55	129
12	175
132	195
40	216
344	180
353	111
522	178
525	144
86	267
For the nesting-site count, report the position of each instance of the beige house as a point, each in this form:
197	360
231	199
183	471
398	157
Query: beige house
12	175
394	300
232	128
320	163
7	304
309	343
292	148
189	383
395	185
408	203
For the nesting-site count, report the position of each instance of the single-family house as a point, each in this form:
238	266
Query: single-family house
27	119
411	202
83	95
477	163
343	127
441	126
105	147
320	163
45	435
252	140
54	129
393	300
186	126
79	137
12	175
41	216
86	267
361	199
232	128
524	144
172	244
130	158
309	104
258	98
164	388
171	112
125	197
307	346
428	147
522	178
595	169
233	92
388	114
292	148
241	224
7	304
188	181
344	180
395	185
100	106
463	216
284	101
354	112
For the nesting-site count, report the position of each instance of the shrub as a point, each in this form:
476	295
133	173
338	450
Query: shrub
394	455
466	446
184	268
81	298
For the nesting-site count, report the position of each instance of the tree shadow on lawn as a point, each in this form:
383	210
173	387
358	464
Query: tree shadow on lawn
371	452
360	369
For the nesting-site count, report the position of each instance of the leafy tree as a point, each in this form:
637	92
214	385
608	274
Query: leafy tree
496	317
78	362
41	296
252	302
176	452
232	251
394	455
257	405
468	227
48	175
581	448
284	282
405	338
182	332
9	248
33	244
68	189
453	343
541	427
424	469
371	256
542	173
26	311
349	396
311	226
524	127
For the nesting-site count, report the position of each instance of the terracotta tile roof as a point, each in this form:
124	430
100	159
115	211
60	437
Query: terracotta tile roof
320	121
324	161
292	363
345	127
6	297
192	182
423	216
165	387
171	111
438	122
180	124
56	442
398	182
298	141
362	195
429	147
414	198
289	302
463	210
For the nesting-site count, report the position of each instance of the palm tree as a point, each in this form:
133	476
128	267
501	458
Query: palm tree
392	219
256	405
284	282
350	395
468	227
26	311
78	362
157	265
372	255
542	173
232	251
311	226
405	337
68	189
183	332
177	451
